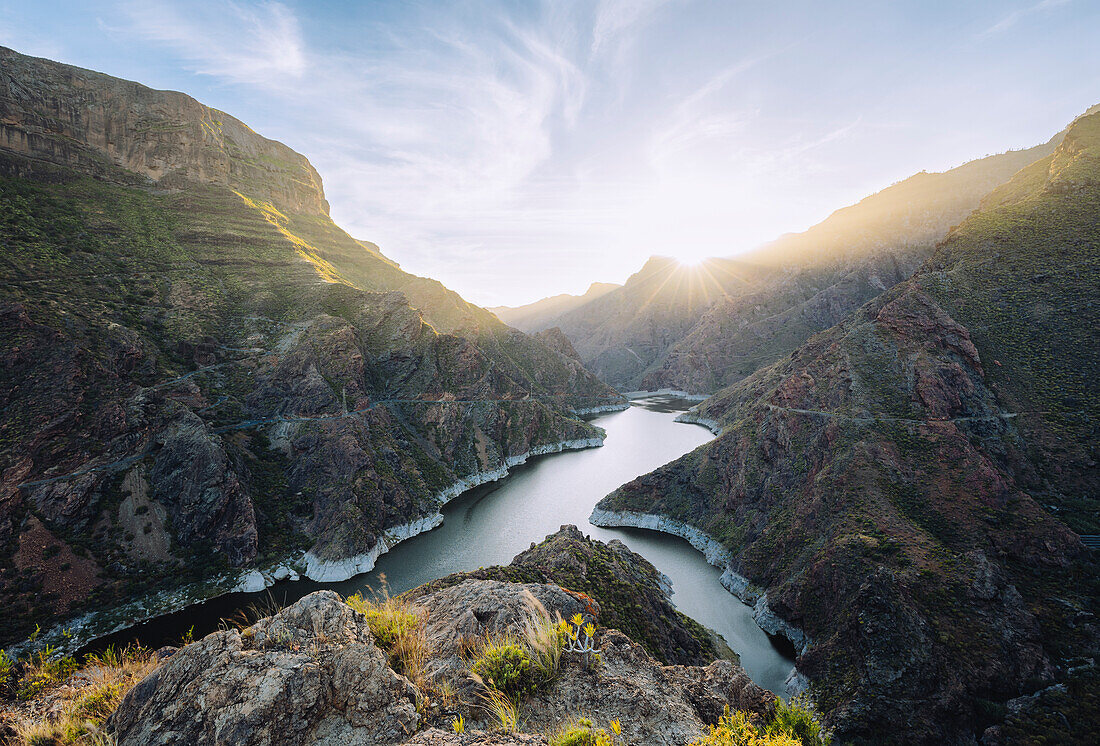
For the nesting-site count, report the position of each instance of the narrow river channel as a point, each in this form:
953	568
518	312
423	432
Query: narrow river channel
492	523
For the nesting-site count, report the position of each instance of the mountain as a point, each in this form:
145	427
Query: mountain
202	374
650	334
901	495
621	335
536	316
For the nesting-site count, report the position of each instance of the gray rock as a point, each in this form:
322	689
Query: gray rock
655	704
310	674
436	737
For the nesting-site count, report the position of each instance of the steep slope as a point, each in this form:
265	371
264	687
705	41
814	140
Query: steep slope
889	495
536	316
771	300
201	372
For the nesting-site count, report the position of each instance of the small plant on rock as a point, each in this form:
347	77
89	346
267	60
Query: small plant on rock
580	638
42	670
501	707
398	628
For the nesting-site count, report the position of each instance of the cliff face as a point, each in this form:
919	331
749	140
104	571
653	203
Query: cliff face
698	329
85	120
903	486
202	373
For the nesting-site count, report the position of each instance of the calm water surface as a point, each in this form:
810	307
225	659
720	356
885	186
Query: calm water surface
491	524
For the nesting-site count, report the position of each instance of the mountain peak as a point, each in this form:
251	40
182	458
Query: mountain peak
97	124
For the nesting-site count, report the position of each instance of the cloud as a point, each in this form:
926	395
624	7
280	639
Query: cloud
258	45
1015	16
615	17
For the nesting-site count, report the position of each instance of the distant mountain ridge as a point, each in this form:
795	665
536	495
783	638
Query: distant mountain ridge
755	307
533	316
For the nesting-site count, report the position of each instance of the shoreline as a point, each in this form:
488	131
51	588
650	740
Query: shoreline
68	638
333	571
738	585
602	408
678	393
694	418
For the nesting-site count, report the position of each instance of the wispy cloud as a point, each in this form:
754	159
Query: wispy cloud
253	44
1019	14
474	139
614	18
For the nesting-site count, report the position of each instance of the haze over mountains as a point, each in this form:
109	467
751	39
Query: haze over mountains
533	317
902	487
699	328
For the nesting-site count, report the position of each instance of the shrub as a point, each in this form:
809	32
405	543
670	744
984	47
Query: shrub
798	720
41	671
505	666
581	733
791	725
398	628
734	729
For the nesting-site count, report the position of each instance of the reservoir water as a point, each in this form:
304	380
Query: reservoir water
491	524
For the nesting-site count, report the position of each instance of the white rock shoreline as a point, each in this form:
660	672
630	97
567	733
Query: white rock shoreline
731	580
694	418
678	393
82	630
616	407
329	571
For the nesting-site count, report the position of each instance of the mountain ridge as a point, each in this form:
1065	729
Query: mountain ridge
767	301
905	487
204	375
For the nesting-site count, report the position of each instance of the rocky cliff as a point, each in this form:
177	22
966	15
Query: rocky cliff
697	329
202	374
904	488
314	673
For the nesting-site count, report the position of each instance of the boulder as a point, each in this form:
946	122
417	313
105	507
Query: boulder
309	674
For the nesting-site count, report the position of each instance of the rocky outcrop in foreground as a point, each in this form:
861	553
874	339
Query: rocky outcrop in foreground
309	674
633	596
313	673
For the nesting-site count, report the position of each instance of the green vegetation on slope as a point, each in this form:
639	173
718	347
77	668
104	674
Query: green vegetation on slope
893	483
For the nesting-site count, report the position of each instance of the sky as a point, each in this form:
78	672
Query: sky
520	149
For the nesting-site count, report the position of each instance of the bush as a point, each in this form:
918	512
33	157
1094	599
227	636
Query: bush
42	671
791	725
506	667
581	733
797	720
